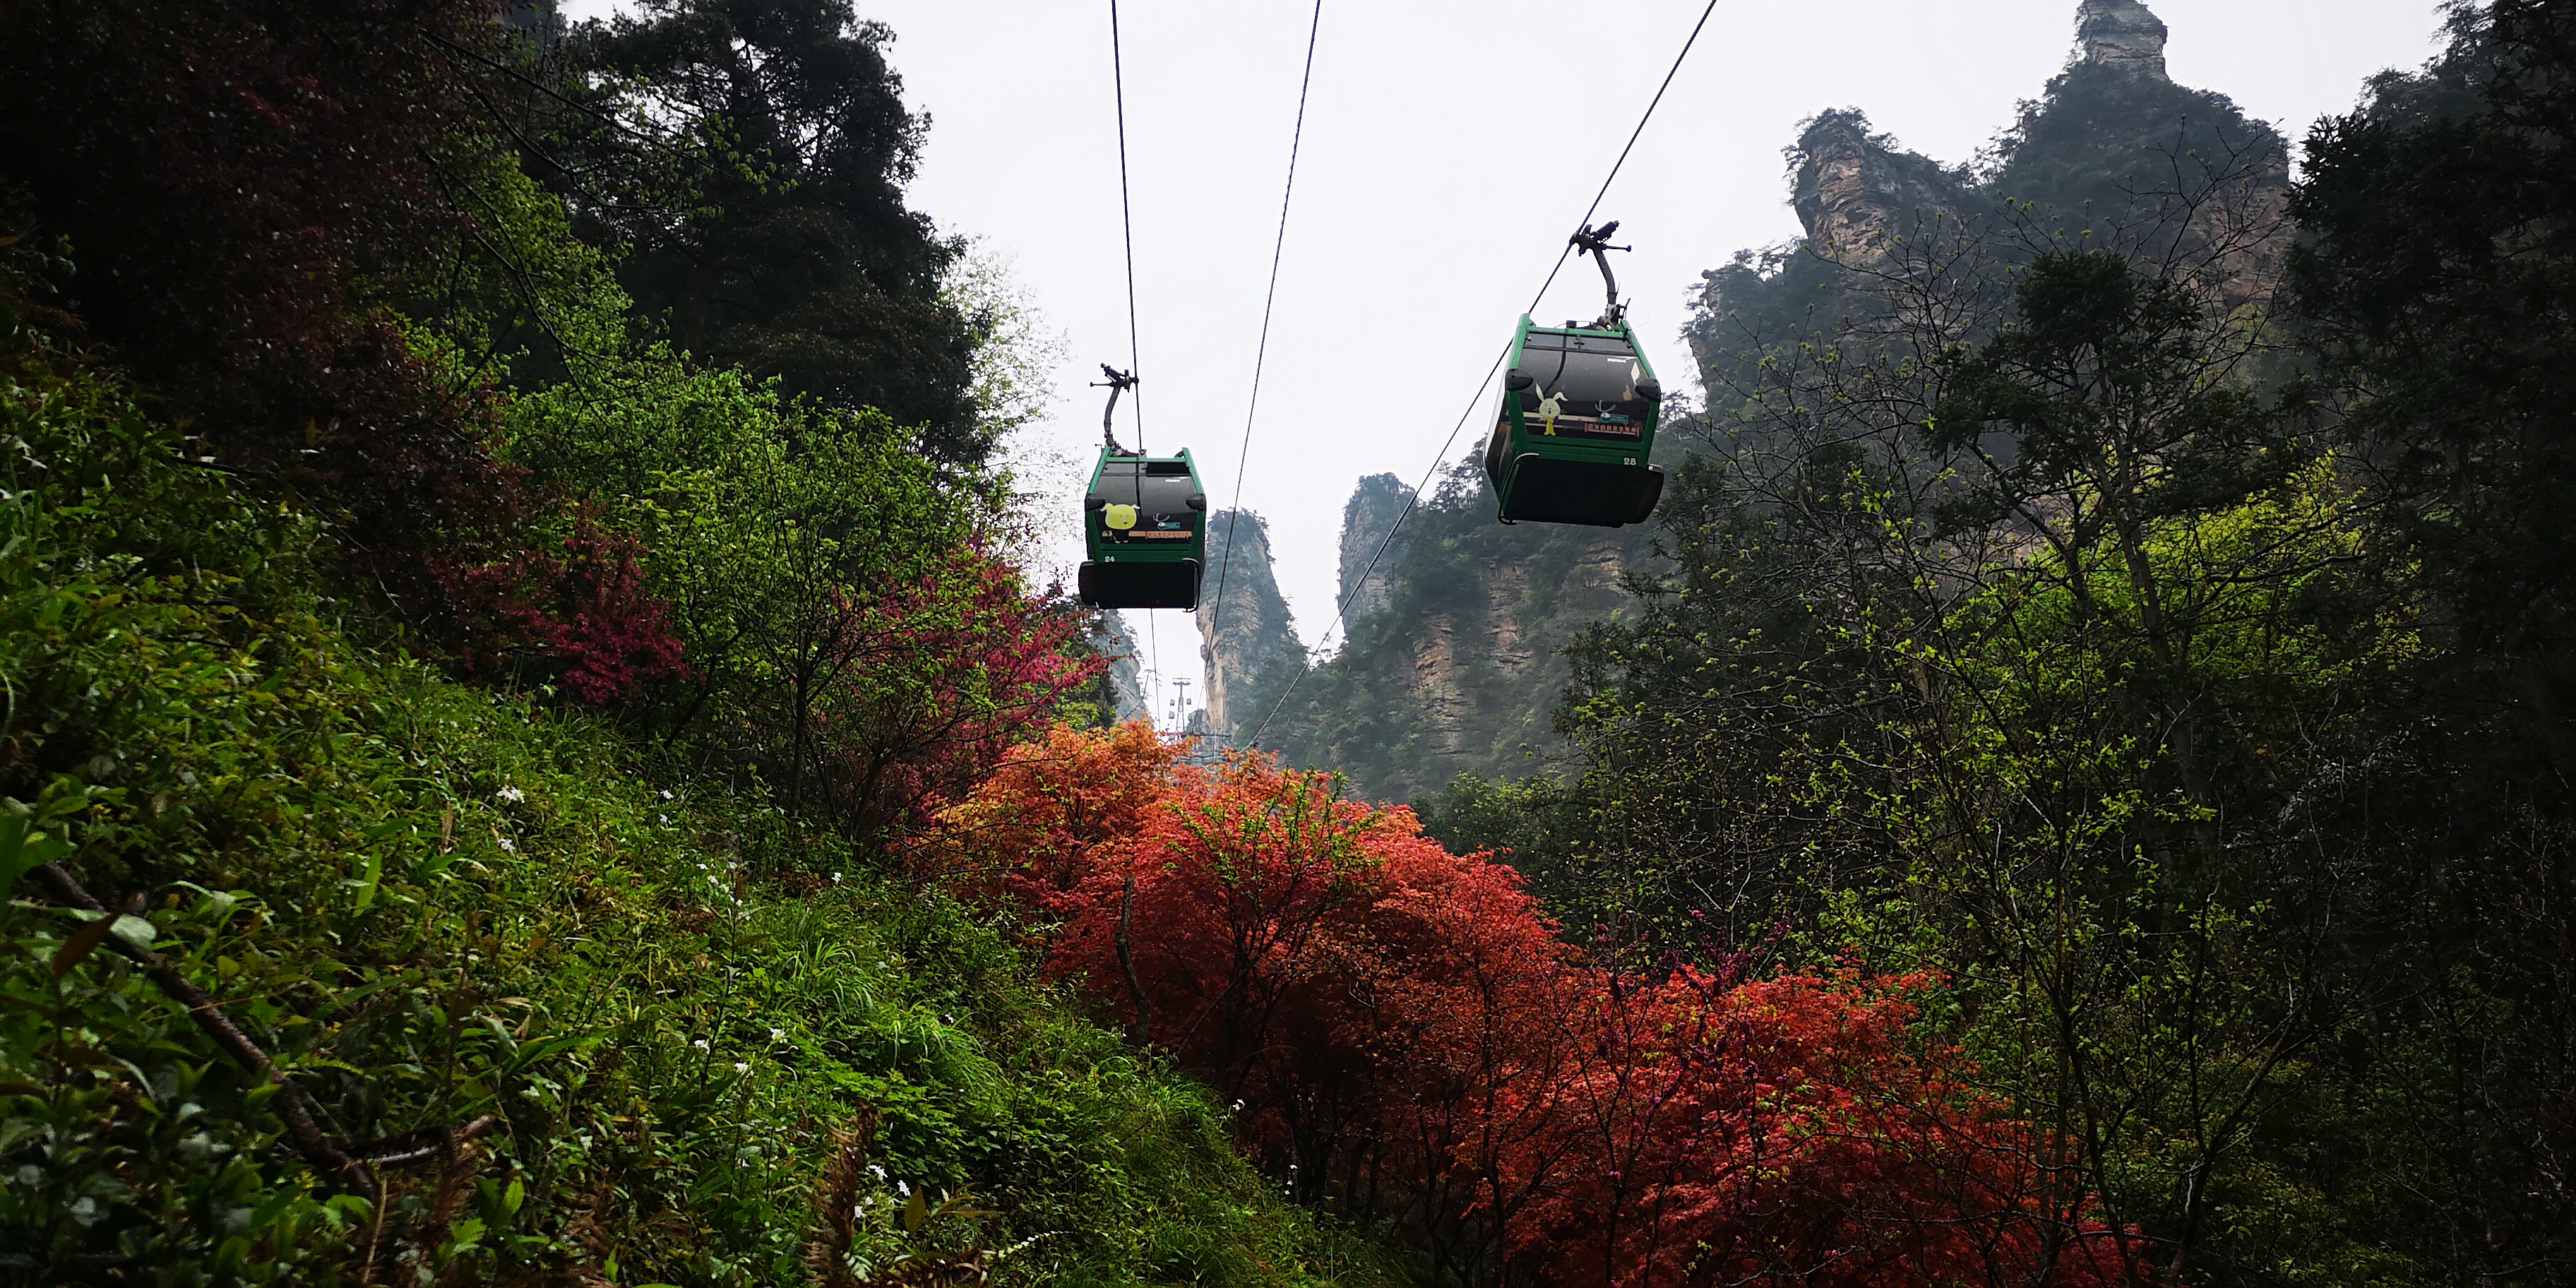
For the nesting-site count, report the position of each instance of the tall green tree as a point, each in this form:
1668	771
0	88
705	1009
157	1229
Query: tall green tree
754	181
2438	281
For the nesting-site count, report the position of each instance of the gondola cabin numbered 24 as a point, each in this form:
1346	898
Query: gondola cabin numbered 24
1574	426
1144	527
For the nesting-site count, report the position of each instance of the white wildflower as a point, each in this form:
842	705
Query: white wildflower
511	794
700	1044
666	793
903	1189
775	1034
742	1066
508	846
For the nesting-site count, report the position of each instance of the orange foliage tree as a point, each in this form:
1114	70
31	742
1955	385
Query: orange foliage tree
1405	1036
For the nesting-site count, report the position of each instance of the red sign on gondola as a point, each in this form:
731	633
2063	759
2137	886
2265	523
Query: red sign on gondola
1620	429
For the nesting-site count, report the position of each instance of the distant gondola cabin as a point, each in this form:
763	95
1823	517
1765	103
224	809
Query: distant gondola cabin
1574	426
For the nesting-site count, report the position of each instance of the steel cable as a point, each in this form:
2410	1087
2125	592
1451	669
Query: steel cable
1135	368
1261	352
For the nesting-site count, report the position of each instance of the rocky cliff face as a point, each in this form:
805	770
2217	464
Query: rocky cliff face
1857	192
2122	35
1247	640
1483	669
1457	667
1372	510
2112	152
1108	636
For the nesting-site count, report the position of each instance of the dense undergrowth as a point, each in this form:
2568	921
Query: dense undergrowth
572	1016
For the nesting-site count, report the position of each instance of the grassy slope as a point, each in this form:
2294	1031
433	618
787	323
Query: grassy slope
431	904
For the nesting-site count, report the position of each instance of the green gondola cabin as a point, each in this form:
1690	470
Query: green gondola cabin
1574	426
1144	528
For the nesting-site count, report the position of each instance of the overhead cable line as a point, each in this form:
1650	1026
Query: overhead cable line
1261	352
1135	369
1343	607
1126	218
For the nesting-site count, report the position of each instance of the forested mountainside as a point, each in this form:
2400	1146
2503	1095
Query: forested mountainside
2112	145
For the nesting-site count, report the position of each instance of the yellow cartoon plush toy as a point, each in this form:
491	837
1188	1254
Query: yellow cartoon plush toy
1120	518
1548	407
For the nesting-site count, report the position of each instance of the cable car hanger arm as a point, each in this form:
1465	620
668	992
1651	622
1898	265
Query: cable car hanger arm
1596	241
1118	382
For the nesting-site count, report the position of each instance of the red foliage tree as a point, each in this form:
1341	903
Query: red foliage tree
1405	1035
1027	834
582	619
899	698
1707	1132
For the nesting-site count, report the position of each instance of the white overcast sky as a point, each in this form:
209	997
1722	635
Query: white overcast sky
1450	146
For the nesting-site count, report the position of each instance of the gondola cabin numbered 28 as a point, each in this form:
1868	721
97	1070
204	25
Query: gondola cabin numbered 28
1574	426
1144	527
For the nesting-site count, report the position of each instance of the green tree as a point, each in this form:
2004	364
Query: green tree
2435	279
752	178
852	637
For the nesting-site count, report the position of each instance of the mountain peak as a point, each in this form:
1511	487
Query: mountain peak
2123	34
1246	636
